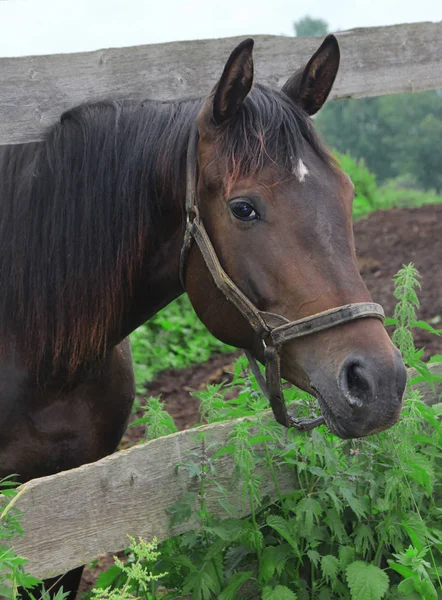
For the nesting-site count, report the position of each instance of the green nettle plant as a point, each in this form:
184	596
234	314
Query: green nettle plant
363	519
133	578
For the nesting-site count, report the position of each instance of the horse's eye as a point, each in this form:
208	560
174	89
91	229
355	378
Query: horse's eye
243	210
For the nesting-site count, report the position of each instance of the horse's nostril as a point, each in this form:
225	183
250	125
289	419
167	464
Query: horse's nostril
356	383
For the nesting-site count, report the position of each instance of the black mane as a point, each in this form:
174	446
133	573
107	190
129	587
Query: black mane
80	210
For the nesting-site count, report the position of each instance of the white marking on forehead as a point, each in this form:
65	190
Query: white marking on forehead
300	170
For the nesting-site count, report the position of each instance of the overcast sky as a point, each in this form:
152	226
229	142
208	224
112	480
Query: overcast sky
52	26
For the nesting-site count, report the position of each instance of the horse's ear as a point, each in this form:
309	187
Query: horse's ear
310	85
235	83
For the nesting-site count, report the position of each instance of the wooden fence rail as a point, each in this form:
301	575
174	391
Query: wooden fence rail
72	517
35	90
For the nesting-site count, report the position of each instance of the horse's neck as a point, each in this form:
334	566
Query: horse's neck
157	285
157	282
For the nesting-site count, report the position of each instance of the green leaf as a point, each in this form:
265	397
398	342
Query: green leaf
427	590
228	530
330	567
426	326
406	586
182	559
5	591
366	581
280	592
308	510
107	578
236	581
202	583
181	511
60	595
390	321
214	552
364	540
234	556
354	502
426	377
314	556
336	525
435	358
27	581
258	439
282	527
252	538
401	569
346	556
417	540
273	559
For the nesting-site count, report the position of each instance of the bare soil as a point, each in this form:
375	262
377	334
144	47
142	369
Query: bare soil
387	240
384	242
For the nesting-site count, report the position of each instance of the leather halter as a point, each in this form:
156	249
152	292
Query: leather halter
273	329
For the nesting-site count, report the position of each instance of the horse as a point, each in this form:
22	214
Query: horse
92	225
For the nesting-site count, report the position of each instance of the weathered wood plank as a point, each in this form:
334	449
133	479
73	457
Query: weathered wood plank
34	91
72	517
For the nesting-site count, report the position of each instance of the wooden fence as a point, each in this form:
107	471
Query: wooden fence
72	517
35	90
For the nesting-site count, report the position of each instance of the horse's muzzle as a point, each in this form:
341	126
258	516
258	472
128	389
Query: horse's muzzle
366	396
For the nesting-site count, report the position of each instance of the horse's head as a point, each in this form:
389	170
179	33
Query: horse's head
277	210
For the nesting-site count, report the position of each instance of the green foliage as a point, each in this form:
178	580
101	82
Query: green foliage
134	577
406	282
369	197
363	522
404	319
157	421
279	592
365	201
396	135
174	337
390	195
416	573
308	26
366	582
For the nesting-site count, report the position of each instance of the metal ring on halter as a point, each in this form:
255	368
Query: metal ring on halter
276	328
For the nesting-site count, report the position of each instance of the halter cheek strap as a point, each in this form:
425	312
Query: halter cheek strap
274	329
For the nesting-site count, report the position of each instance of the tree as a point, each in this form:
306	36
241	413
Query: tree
396	135
308	26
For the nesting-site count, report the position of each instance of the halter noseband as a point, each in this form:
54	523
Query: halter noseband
274	329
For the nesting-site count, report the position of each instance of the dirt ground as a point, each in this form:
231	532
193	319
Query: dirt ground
384	242
387	240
